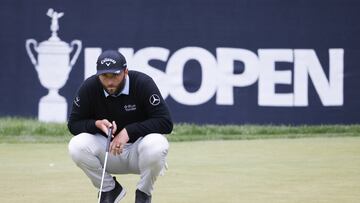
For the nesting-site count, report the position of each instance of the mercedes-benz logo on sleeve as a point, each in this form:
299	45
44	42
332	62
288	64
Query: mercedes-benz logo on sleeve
154	100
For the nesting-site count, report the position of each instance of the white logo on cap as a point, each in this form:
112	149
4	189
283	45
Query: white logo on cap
108	61
154	100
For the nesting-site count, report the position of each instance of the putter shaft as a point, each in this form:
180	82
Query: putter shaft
105	162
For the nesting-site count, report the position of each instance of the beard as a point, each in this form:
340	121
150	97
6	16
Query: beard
113	90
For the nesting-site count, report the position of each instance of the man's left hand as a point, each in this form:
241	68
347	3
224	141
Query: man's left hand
118	143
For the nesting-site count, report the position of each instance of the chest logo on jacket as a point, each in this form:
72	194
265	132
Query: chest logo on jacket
130	107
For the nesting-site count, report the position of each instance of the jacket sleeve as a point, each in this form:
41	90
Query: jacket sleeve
157	113
80	117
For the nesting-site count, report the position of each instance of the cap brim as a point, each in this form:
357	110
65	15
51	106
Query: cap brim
113	71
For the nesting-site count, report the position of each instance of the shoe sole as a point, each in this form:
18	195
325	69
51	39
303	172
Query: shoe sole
121	195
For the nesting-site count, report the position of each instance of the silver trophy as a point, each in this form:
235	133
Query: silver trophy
53	66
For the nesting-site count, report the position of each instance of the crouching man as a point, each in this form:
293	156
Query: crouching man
130	103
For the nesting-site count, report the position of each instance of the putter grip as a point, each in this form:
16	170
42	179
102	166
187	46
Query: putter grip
108	139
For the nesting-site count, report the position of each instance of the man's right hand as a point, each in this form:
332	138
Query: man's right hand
104	125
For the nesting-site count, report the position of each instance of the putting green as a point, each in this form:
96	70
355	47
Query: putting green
276	170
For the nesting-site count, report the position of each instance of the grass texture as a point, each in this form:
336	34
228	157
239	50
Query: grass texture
24	130
308	170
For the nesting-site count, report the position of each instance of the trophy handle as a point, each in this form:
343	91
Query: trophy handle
77	52
28	49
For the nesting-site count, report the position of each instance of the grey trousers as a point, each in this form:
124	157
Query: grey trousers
147	157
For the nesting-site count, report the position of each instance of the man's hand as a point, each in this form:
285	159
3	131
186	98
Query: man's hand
104	125
118	143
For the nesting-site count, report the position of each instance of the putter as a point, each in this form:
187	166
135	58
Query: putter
106	157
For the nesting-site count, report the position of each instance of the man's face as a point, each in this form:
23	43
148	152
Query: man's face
113	82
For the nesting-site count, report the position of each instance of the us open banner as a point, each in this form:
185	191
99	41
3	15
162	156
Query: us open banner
222	62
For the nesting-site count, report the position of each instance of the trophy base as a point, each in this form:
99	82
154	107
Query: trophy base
53	109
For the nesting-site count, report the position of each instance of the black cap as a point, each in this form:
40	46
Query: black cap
110	61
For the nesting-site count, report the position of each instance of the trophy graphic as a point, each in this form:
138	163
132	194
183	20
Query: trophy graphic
53	66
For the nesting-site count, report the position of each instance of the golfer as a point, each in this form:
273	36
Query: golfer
130	103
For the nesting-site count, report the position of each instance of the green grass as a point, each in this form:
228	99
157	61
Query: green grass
324	166
310	170
23	130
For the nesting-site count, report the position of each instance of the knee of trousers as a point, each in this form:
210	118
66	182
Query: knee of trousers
79	146
154	148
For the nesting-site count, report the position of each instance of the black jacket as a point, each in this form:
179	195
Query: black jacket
141	112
